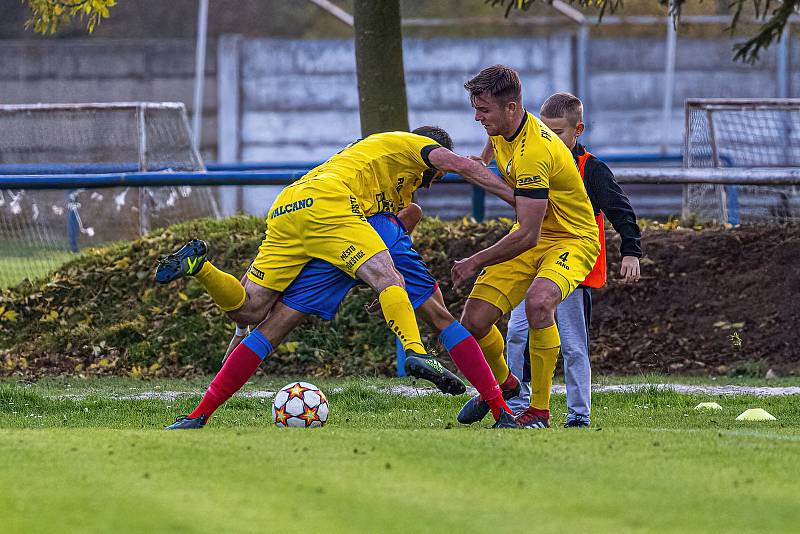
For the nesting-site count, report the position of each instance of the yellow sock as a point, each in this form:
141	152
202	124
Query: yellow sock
227	292
400	317
492	346
544	345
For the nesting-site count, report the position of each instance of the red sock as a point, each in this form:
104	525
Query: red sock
468	357
510	383
238	369
538	412
498	405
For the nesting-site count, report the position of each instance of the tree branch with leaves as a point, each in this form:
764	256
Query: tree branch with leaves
773	14
48	15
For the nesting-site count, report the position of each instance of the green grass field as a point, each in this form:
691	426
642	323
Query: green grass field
19	261
77	460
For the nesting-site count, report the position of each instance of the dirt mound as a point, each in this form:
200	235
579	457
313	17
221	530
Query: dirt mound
711	301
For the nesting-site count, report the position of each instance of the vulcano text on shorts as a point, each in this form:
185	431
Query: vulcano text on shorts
292	206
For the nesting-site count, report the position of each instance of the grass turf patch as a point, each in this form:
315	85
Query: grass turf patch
390	463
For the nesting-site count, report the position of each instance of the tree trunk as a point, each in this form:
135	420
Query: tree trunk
379	65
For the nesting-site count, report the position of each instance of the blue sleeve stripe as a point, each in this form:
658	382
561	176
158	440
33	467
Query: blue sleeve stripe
453	335
258	344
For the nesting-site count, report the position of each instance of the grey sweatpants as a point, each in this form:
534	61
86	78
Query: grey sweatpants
573	316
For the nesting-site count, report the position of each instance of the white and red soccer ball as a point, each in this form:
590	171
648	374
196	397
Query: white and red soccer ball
300	404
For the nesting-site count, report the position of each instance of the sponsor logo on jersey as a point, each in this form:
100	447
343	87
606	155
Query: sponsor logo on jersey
529	180
297	205
257	272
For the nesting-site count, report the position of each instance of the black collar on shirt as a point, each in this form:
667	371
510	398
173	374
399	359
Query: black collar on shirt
521	126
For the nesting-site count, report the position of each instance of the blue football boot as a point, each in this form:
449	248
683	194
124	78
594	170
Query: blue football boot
476	408
506	421
186	261
188	423
428	368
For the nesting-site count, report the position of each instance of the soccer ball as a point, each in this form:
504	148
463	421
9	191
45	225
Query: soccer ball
300	404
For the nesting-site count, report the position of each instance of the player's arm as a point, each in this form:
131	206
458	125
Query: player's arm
607	195
530	214
473	172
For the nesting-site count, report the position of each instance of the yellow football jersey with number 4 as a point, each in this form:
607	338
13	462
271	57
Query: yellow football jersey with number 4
537	164
382	170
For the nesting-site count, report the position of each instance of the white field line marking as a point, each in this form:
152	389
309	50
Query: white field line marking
413	391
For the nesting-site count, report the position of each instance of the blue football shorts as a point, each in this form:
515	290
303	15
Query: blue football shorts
320	287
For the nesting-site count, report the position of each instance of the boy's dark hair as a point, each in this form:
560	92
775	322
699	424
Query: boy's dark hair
437	134
563	105
499	81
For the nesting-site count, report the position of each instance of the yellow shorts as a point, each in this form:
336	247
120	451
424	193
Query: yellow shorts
565	262
319	218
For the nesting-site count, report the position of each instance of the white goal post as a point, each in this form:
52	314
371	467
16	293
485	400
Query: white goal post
743	134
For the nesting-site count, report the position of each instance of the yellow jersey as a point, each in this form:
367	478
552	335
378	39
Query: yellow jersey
537	164
382	170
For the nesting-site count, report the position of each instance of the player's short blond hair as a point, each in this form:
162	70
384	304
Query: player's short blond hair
563	106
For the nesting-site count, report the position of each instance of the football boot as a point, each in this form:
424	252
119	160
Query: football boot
186	261
429	368
188	423
476	408
506	421
530	419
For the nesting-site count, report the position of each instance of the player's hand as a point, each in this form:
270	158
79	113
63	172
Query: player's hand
630	270
374	308
462	271
478	159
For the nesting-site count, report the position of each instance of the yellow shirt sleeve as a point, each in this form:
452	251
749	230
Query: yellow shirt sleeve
422	147
532	176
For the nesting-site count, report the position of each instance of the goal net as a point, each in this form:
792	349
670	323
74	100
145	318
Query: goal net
742	133
40	228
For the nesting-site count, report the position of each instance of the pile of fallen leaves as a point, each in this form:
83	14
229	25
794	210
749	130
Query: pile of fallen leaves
711	300
102	313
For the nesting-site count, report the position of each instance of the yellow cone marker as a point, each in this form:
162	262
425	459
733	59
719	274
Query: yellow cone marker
755	414
708	406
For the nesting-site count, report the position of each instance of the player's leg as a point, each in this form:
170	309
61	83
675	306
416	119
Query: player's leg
573	327
467	355
498	289
192	260
427	300
380	273
517	356
544	344
242	364
561	266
